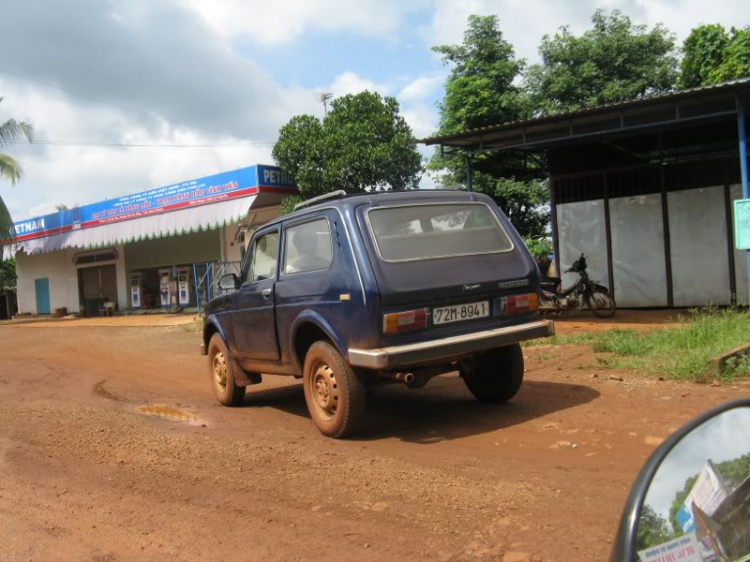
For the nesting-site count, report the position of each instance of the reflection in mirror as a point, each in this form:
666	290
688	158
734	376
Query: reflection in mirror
697	507
228	282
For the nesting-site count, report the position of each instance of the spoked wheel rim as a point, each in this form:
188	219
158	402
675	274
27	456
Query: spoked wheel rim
601	304
324	390
219	370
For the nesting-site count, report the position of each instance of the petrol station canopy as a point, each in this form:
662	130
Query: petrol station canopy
194	205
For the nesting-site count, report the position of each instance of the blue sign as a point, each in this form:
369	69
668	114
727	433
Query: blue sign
202	191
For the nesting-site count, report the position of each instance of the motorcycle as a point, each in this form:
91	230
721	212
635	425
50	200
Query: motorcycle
583	292
691	500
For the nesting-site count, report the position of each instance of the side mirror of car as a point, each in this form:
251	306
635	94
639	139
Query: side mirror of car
229	282
691	500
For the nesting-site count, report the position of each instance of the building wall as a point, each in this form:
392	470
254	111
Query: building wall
188	248
232	243
62	273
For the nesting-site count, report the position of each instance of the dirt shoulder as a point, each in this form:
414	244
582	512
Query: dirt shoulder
87	475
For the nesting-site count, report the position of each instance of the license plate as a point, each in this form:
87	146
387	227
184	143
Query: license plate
460	312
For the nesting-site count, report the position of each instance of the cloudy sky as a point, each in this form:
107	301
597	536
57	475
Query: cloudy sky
229	73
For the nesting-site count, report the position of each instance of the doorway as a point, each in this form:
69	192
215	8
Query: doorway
97	285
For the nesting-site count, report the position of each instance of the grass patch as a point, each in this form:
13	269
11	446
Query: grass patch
680	352
576	339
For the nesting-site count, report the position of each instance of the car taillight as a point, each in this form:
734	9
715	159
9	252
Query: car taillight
405	321
516	304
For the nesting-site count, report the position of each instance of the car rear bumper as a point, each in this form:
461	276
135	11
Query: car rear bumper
414	354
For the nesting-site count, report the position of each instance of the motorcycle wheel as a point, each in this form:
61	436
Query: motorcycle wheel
601	304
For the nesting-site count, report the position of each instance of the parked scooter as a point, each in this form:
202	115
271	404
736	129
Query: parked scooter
691	500
583	292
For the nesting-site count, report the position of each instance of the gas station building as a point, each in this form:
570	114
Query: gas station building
157	249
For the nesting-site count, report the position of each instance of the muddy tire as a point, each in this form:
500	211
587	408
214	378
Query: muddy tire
495	376
601	305
334	393
221	371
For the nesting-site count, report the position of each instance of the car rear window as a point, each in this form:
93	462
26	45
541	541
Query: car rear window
418	232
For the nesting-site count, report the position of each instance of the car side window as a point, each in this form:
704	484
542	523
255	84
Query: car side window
265	257
308	247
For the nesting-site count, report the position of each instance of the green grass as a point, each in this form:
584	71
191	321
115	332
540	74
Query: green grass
576	339
680	352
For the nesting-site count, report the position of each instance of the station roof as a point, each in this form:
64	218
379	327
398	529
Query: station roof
193	205
655	113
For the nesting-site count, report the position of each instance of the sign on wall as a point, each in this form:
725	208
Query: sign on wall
202	191
742	224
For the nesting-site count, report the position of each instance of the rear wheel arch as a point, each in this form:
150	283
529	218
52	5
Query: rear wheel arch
305	334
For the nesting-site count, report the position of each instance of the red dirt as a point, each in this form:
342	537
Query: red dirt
87	474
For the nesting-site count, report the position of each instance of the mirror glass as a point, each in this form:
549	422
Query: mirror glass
697	507
228	282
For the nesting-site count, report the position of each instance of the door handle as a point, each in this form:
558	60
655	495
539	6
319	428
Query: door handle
266	293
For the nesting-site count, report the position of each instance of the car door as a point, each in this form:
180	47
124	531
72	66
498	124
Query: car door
254	319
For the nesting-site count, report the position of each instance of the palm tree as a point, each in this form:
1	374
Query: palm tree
10	169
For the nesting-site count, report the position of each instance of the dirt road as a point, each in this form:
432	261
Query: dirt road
112	448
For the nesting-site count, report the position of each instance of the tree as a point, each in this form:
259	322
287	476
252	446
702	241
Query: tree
652	529
7	275
482	90
613	61
702	53
735	62
362	144
10	170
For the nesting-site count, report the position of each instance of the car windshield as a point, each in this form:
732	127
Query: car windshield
418	232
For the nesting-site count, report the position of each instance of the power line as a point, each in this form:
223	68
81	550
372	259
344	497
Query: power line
145	145
105	102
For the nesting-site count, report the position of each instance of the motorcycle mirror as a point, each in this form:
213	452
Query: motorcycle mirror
691	500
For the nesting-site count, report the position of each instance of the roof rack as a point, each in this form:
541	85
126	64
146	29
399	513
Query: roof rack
320	198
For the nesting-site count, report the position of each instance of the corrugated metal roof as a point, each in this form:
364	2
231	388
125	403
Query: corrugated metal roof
729	86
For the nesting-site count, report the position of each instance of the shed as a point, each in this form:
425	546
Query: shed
644	188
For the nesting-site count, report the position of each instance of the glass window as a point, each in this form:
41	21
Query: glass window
418	232
307	247
265	257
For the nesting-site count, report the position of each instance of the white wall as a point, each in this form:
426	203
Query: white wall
638	261
698	245
53	266
59	268
581	227
232	246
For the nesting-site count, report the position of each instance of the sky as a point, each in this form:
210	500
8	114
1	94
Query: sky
227	74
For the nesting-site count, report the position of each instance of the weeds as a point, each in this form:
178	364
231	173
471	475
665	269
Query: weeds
680	352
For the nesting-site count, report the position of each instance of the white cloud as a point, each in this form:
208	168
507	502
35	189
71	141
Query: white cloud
278	23
420	88
525	22
353	83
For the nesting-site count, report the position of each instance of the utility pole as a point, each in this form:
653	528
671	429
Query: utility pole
323	97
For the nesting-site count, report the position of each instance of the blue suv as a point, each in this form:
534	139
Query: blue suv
350	292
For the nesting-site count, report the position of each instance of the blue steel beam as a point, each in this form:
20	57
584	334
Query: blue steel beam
744	172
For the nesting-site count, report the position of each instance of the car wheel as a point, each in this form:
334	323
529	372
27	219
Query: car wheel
221	371
334	393
495	376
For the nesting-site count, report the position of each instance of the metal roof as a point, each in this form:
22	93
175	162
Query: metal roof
482	138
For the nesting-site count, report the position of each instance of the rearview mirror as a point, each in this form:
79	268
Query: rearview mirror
691	500
229	282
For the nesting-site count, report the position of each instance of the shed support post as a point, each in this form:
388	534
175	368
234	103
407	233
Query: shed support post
468	173
744	172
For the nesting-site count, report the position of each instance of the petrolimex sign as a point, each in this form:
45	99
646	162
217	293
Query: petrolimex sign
202	191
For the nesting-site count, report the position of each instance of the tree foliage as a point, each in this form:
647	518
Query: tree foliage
482	89
7	274
614	61
10	169
702	53
362	144
652	529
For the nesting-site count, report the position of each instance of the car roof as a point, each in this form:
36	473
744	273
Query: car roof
383	198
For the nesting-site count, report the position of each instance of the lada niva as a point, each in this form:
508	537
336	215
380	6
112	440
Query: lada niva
349	292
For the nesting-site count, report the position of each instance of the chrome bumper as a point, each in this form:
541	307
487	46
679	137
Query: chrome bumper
424	352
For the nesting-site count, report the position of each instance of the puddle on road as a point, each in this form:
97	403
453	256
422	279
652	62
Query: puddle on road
167	412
